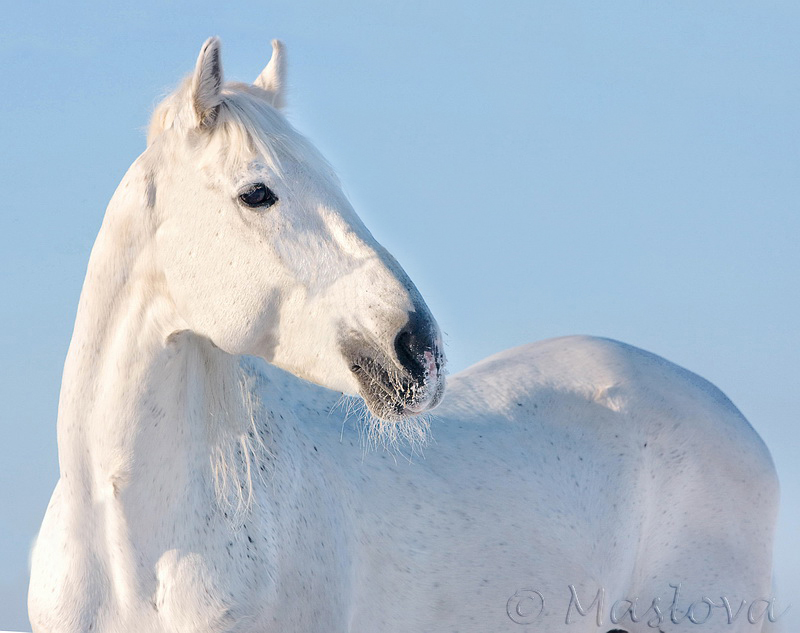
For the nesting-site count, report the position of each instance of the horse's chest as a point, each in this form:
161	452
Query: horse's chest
291	546
190	564
212	589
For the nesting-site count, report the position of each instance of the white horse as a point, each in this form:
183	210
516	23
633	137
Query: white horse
577	484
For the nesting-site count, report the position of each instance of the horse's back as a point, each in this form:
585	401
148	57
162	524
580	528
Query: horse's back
642	473
558	380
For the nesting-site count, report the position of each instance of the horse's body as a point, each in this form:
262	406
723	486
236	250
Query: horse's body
206	491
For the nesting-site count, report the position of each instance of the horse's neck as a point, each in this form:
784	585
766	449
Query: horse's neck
139	395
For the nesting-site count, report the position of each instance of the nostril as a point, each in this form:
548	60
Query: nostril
410	351
416	348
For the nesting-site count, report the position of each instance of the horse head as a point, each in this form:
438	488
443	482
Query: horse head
262	253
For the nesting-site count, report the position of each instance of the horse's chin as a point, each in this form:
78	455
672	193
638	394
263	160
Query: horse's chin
396	409
392	396
396	423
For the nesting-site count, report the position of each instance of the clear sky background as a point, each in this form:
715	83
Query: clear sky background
628	169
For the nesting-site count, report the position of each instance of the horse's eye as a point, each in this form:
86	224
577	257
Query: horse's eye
258	195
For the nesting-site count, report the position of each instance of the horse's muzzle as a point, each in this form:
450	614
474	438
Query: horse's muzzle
404	383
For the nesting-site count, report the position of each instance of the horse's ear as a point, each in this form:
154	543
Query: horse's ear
273	78
206	84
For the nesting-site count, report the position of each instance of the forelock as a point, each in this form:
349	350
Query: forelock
248	124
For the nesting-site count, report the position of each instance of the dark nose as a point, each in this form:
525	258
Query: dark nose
411	343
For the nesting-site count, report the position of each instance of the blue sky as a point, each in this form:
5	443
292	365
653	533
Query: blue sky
627	169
